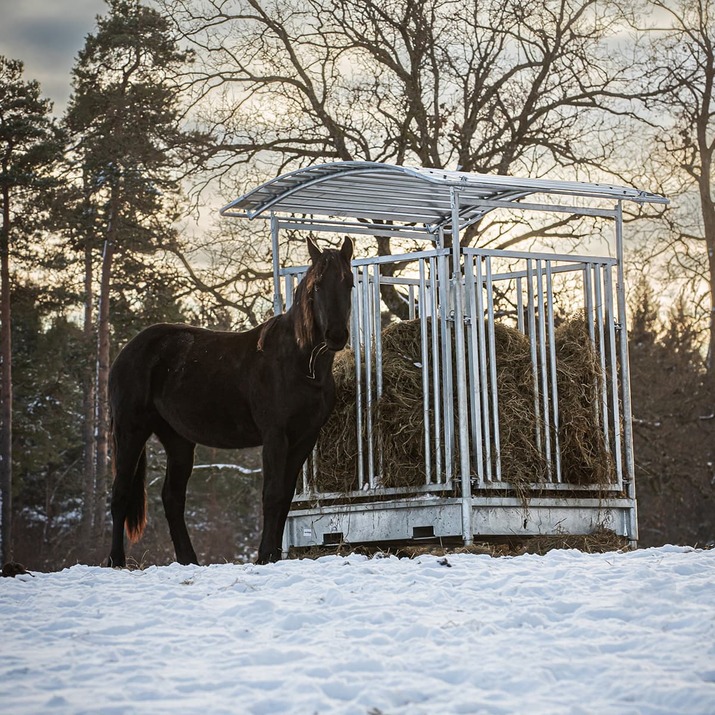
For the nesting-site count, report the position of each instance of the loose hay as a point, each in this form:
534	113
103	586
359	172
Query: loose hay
398	417
338	445
579	382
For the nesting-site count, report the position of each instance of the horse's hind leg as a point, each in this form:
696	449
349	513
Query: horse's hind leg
179	463
128	487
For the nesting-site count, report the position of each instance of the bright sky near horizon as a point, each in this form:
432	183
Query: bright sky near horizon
47	35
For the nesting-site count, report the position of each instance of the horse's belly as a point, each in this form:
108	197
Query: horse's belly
211	424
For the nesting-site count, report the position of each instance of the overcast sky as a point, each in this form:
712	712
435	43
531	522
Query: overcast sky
47	35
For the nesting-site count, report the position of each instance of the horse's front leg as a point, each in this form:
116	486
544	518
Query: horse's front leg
278	496
275	494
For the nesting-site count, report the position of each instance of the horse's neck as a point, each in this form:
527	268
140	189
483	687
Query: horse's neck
313	356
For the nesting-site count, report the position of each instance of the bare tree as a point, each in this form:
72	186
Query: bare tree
499	86
678	94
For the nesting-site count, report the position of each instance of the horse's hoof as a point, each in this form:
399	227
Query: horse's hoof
12	569
113	563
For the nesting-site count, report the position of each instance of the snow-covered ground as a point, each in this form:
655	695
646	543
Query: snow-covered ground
563	633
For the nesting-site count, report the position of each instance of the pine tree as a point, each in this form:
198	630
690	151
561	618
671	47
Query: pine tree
126	147
29	147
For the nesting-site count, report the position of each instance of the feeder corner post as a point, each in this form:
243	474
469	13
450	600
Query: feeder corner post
462	397
277	297
625	379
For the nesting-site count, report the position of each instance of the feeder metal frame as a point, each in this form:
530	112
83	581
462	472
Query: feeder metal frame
368	198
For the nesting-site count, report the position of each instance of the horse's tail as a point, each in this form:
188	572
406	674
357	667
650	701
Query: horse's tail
135	520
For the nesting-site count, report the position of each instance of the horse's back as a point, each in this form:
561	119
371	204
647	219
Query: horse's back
193	379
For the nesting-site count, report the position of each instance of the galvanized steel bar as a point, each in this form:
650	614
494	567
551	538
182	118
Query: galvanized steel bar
357	229
625	376
552	364
377	330
465	476
436	401
483	381
615	407
411	313
377	333
519	305
448	383
356	332
424	356
275	246
551	208
531	314
544	367
588	303
474	382
288	285
401	257
367	342
529	255
600	331
493	366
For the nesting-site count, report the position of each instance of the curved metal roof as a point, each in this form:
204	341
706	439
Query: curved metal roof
389	193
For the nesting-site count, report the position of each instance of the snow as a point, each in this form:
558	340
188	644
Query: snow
562	633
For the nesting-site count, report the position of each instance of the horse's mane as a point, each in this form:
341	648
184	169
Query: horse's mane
302	308
304	322
302	311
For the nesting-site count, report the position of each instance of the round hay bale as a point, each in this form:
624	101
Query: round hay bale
337	445
521	461
399	419
579	381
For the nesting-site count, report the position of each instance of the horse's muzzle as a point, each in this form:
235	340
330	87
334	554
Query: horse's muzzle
336	339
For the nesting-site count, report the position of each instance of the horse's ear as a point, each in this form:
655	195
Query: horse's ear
313	250
346	250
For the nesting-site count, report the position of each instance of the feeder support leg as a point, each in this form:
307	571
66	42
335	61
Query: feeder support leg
462	403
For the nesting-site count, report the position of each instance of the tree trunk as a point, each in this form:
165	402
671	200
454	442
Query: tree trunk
89	405
708	210
103	357
103	365
5	384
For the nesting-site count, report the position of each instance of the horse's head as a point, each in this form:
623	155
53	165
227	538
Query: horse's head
330	289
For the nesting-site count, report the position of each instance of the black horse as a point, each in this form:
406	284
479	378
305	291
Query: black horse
270	386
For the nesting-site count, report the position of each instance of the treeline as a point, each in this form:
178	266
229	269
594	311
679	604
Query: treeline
182	97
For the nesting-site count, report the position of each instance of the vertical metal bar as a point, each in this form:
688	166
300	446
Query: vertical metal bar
448	383
552	363
483	382
435	369
625	374
467	531
519	305
474	387
288	286
367	342
424	356
531	315
411	301
600	332
611	318
377	336
493	366
588	302
544	367
356	334
277	298
377	314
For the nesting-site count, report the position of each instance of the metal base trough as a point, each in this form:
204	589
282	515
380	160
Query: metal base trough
435	518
